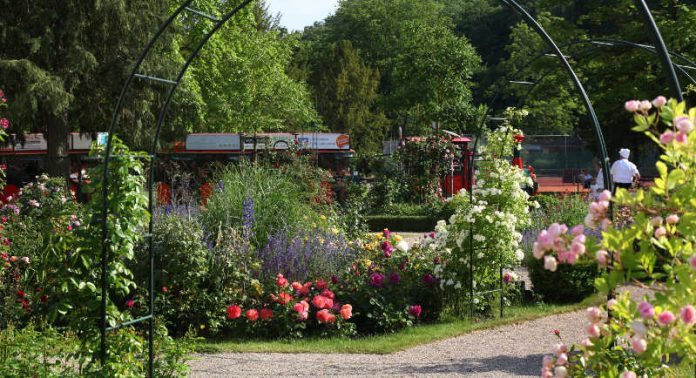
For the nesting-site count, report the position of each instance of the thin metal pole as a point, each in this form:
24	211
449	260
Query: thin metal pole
151	256
661	48
578	85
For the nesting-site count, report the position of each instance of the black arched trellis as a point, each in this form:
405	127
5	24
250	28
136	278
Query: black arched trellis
218	23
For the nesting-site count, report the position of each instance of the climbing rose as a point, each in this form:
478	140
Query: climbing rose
415	310
688	315
266	313
346	311
594	314
234	312
328	294
252	315
593	331
560	348
665	318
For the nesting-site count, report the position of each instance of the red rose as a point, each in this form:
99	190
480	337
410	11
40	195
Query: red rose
306	288
346	311
21	294
284	298
321	285
234	312
252	315
281	281
415	310
266	313
44	298
296	285
324	316
164	289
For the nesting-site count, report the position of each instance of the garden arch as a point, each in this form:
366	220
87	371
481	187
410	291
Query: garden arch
174	83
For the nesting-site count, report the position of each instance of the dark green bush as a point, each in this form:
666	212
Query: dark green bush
401	223
569	283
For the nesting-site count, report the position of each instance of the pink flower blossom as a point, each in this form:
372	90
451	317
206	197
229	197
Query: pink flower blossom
550	263
659	101
632	106
577	249
545	240
682	138
672	219
666	318
415	310
667	137
605	195
130	303
586	343
578	230
660	232
281	281
646	310
376	279
639	344
233	312
592	331
554	230
628	374
560	348
645	105
4	123
602	258
656	221
562	359
547	361
594	314
25	260
692	262
611	303
688	315
684	125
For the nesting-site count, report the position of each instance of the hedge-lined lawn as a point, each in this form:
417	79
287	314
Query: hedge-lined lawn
394	342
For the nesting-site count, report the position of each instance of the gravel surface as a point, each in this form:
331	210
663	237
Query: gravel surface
507	351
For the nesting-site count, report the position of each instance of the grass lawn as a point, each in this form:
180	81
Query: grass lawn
394	342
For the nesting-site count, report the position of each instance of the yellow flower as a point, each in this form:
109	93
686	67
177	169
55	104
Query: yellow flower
334	230
322	217
398	238
202	326
314	225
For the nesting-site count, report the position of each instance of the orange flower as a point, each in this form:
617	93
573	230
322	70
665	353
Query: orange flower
324	316
284	298
346	311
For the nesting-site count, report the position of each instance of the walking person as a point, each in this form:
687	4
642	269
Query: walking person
623	172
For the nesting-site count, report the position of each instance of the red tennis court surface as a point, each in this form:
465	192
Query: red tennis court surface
556	185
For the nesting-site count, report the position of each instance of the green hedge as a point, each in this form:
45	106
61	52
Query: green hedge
569	283
412	223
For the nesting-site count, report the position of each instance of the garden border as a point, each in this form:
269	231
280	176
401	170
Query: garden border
218	23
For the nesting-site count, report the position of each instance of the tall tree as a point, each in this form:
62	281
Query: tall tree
64	63
347	95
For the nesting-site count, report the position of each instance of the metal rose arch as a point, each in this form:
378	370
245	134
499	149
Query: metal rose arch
173	83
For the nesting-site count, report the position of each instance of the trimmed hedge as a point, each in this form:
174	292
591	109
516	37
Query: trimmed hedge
569	283
412	223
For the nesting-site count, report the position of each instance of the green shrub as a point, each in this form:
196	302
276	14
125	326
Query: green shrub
570	209
279	199
401	223
570	283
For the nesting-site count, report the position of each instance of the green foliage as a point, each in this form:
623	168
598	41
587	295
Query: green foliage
281	199
569	209
569	284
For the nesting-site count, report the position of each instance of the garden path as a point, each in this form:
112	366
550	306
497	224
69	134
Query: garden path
508	351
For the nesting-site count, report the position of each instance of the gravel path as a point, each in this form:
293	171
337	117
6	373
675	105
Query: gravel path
507	351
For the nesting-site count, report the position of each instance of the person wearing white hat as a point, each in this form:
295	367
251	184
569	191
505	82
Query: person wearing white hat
623	172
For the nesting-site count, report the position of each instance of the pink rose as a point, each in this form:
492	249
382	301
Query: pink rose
537	251
682	138
554	230
632	106
252	315
234	312
602	258
666	318
659	101
639	344
628	374
550	263
656	221
688	315
647	311
304	315
547	361
545	240
4	123
645	105
415	310
692	262
667	137
660	232
578	230
594	314
593	331
577	249
346	311
281	281
684	125
560	348
672	219
605	196
562	359
586	343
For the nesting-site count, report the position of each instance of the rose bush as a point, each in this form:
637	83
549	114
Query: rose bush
637	337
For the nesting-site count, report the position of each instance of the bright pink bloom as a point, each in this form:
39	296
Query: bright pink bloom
545	240
296	285
684	125
647	311
592	331
284	298
234	312
304	315
594	314
165	289
602	258
321	285
667	137
666	318
639	344
324	316
560	348
682	138
322	302
562	359
645	105
252	315
605	196
130	303
415	310
628	374
577	230
306	288
4	123
688	315
328	294
660	232
672	219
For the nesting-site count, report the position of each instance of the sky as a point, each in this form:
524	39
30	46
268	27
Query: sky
296	14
